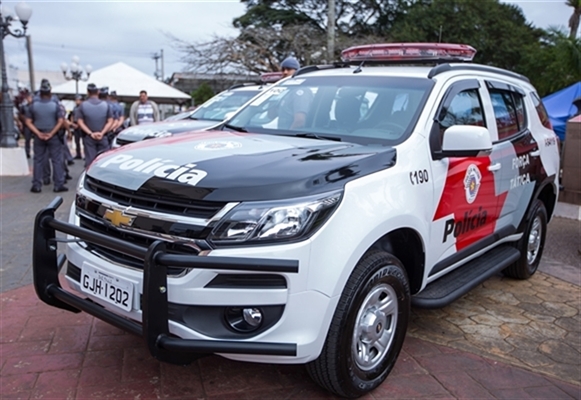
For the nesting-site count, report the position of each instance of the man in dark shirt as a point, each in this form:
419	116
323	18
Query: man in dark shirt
95	119
44	118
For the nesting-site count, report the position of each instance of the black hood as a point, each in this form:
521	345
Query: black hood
228	166
161	129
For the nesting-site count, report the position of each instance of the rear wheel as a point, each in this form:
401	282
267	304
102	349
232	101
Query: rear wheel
368	328
531	244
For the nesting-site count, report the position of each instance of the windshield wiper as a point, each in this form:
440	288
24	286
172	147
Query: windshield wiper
235	128
315	136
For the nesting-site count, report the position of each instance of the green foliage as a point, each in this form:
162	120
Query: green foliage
353	18
498	31
557	64
203	93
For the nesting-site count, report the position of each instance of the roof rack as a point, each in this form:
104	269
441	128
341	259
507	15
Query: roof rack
474	67
311	68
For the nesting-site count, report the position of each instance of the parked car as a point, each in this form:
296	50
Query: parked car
206	115
404	184
181	115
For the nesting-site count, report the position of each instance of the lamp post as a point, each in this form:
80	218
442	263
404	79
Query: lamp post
23	12
75	72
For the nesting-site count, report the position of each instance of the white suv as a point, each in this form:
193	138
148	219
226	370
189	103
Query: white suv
306	237
210	113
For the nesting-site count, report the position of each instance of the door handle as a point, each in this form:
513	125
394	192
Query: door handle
494	167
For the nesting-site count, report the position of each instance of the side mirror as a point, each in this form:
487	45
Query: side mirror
466	141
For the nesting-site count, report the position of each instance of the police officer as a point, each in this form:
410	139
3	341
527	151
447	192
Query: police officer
76	131
25	101
95	119
44	118
104	95
119	113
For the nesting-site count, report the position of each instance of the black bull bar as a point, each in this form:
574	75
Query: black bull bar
154	305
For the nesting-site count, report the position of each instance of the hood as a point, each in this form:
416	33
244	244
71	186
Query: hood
164	128
231	166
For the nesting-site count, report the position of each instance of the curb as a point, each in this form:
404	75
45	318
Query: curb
567	210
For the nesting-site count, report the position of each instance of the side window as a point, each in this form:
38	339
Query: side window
464	109
509	112
541	110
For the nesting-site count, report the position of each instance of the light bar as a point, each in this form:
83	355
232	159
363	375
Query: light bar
408	52
270	77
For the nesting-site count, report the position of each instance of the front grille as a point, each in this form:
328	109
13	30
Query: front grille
125	259
165	203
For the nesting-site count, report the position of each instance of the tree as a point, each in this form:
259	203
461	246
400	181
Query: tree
255	50
352	17
575	17
498	31
557	64
272	30
203	93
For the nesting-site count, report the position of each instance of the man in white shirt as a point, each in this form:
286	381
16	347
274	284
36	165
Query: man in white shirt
143	111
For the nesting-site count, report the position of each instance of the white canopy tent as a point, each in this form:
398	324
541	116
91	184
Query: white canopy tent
127	82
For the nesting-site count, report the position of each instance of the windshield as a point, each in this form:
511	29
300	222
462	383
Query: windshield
218	106
364	109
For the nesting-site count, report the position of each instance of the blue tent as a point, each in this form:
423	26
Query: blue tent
560	107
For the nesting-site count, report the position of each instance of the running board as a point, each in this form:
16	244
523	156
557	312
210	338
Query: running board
457	283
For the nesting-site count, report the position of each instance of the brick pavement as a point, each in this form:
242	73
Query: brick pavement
505	339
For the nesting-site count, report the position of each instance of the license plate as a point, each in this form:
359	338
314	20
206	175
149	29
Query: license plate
112	289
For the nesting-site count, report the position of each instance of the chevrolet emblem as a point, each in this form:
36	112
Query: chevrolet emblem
117	218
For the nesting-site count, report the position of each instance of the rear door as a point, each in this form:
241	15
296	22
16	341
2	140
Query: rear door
516	154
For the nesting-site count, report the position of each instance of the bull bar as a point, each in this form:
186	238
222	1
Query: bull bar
46	264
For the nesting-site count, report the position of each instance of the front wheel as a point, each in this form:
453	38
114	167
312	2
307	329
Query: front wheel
531	244
368	328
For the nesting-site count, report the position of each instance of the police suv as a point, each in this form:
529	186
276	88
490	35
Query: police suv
210	113
414	176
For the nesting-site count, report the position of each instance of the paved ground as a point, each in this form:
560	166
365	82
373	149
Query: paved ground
505	339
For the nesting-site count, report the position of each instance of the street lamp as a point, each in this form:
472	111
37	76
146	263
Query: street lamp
75	72
23	12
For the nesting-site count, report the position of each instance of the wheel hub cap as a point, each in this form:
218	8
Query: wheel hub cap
375	327
534	243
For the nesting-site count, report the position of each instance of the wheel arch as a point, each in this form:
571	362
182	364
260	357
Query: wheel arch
406	244
548	195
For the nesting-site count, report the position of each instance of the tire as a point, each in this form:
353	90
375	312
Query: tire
367	330
531	244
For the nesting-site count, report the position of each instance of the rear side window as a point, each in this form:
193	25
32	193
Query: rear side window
508	112
541	110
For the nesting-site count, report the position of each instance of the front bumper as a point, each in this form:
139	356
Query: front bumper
154	307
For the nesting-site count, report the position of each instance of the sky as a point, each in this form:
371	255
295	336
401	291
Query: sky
102	33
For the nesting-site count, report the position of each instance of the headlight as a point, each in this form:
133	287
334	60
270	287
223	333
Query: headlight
288	220
81	182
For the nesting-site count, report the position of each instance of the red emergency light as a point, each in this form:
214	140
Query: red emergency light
270	77
408	52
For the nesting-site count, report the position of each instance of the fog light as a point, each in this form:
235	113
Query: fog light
252	316
244	319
